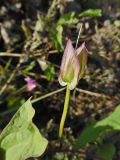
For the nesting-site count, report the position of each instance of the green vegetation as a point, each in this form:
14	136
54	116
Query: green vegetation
34	63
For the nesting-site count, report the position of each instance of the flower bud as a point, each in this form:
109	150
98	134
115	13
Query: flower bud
72	65
31	83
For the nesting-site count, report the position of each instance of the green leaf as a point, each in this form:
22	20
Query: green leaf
91	13
90	134
56	36
50	72
56	33
68	18
29	67
21	139
14	101
106	151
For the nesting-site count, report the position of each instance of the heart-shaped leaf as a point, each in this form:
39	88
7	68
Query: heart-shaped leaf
21	139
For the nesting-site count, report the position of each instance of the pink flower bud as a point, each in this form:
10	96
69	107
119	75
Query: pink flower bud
31	83
72	65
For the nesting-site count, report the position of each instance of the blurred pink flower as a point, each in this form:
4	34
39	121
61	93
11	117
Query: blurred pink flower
73	65
31	83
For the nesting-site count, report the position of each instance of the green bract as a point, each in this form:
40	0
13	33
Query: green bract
73	65
21	139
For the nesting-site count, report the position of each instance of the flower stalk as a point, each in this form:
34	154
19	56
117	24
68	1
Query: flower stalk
65	109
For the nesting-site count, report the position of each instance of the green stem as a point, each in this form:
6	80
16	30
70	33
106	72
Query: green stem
64	111
47	95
